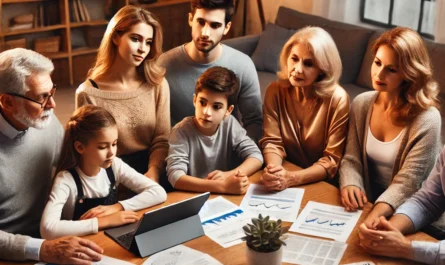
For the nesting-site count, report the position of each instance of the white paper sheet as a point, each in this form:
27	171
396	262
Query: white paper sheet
205	260
181	254
215	207
361	263
223	221
311	251
282	205
324	220
106	260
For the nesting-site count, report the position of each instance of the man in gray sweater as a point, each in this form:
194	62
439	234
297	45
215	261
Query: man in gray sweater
210	21
30	142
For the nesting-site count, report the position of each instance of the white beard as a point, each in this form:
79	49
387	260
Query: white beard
38	123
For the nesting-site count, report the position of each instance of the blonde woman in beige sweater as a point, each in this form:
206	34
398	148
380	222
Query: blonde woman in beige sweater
127	82
393	138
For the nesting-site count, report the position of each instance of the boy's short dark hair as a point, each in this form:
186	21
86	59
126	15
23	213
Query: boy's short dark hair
227	5
218	79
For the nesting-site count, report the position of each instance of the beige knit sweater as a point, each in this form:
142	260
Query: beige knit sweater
142	116
415	159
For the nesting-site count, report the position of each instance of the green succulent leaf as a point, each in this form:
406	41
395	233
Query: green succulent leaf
264	234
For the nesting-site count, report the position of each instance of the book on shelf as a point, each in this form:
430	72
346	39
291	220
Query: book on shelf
47	14
87	14
74	11
79	11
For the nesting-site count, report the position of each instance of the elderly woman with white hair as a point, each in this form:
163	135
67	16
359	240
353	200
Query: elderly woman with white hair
305	113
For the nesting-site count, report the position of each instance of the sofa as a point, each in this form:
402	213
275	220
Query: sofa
353	42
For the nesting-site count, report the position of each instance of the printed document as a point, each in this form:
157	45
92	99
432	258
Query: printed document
311	251
183	255
223	221
324	220
282	205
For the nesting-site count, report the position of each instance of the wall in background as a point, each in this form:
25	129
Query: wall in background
341	10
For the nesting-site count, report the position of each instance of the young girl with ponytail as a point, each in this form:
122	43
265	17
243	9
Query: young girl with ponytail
83	199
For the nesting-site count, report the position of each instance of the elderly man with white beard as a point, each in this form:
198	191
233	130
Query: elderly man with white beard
30	143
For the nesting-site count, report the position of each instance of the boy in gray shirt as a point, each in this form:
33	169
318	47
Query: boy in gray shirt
211	151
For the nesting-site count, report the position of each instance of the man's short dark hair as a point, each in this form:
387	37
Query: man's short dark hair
218	79
227	5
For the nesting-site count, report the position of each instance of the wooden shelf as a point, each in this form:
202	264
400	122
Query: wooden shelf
34	30
89	23
21	1
56	55
83	50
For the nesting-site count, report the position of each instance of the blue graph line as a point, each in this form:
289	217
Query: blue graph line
316	220
223	217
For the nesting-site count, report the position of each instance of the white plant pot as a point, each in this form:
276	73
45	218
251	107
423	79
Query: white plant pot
259	258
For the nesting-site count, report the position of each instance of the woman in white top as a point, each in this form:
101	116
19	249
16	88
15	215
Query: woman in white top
393	137
83	198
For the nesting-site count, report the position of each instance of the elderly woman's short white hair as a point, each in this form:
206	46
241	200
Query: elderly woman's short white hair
326	55
18	64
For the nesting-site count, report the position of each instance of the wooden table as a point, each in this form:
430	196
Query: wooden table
320	192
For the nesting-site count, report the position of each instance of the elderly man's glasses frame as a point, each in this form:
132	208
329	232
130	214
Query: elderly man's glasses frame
45	100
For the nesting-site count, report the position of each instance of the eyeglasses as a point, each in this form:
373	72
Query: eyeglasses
45	98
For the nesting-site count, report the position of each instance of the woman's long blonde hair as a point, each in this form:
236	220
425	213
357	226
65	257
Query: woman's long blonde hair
121	22
418	90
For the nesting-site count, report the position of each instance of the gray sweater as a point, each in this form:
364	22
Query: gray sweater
424	207
183	72
194	154
415	159
26	165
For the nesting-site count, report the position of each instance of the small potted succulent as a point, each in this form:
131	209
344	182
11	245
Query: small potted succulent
263	240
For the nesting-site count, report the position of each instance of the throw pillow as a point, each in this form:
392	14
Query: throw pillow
351	44
266	56
364	77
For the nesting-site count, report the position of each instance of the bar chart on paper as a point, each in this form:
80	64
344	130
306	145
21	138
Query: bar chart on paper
223	221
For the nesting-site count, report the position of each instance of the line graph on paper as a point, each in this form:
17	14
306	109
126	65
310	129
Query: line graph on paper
283	204
325	220
270	202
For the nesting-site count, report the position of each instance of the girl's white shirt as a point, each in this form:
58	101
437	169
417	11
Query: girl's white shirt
58	214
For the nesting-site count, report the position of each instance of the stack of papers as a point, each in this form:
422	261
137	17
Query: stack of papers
305	250
183	255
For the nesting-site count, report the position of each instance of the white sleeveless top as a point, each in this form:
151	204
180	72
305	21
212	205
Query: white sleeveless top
381	157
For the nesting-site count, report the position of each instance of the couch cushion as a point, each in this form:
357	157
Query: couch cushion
267	53
351	44
437	54
351	40
265	79
292	19
364	77
353	90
